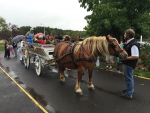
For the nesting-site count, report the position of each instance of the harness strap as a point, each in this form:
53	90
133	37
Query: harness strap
72	51
69	53
87	59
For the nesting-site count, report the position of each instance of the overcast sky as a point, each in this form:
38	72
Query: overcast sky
62	14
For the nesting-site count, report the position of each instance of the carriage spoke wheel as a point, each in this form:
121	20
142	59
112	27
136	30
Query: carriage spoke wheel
38	66
26	61
23	60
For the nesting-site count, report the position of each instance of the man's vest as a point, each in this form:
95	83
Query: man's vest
127	47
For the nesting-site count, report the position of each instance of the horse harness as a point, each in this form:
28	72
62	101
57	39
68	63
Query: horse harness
73	45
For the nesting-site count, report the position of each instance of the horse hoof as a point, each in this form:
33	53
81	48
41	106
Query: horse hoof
63	82
79	91
91	88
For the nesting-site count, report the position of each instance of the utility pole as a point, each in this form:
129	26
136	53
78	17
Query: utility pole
44	28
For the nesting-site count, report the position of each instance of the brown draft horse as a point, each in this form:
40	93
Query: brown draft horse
82	55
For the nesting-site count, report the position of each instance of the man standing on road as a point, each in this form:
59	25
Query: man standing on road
14	44
129	64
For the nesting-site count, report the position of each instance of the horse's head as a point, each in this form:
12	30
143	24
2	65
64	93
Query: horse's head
115	49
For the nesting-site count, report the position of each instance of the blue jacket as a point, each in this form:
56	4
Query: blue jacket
29	38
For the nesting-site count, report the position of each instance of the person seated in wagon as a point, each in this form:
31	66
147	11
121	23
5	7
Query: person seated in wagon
52	41
66	38
40	39
47	41
30	35
35	40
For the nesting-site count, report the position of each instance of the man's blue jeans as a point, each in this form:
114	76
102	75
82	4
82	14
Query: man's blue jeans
128	74
15	51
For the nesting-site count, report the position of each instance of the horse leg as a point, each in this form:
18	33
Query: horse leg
90	84
79	78
61	74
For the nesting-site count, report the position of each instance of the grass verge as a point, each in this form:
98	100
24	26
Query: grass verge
142	73
136	72
1	47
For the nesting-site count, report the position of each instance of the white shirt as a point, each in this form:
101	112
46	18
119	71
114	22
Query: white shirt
21	44
18	45
134	49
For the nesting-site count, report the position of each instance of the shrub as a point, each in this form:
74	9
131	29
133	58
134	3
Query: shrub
144	58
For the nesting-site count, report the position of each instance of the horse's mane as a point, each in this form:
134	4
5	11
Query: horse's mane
94	43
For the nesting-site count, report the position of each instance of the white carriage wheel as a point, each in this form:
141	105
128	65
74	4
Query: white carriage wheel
27	61
38	66
23	60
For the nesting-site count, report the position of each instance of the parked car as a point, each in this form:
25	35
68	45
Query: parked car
143	43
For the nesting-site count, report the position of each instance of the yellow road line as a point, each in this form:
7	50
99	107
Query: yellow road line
142	77
43	109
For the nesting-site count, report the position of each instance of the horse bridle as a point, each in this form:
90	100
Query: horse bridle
114	47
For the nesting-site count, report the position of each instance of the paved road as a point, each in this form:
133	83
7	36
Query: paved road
13	99
58	98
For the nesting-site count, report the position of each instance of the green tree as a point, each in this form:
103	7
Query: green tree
14	29
115	16
24	29
3	24
4	32
8	31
